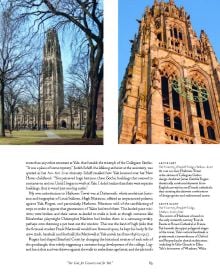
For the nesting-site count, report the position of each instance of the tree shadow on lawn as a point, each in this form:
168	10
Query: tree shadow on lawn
80	141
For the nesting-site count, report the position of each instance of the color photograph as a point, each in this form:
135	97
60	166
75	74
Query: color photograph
169	73
51	72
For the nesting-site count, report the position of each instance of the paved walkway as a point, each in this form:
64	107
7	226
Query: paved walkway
52	135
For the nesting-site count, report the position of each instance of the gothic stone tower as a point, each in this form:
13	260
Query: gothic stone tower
51	96
171	89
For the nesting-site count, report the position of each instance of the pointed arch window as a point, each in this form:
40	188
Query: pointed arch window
165	91
49	46
177	123
201	130
198	51
159	36
50	66
167	120
203	111
195	96
171	103
202	108
176	99
211	133
171	32
48	116
207	111
175	33
170	96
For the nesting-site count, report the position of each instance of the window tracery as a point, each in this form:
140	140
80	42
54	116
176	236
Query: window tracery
203	109
176	38
171	99
48	116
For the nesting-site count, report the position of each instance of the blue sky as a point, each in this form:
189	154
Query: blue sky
65	53
204	14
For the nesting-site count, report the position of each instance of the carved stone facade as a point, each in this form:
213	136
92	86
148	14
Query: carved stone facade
52	94
171	89
74	117
26	117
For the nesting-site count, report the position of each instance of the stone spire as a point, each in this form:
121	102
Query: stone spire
52	95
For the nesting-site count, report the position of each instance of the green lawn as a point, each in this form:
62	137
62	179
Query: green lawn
30	137
23	137
64	133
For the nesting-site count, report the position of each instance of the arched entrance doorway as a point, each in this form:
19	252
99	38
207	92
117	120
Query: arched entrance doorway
63	124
